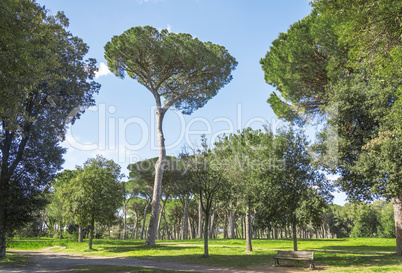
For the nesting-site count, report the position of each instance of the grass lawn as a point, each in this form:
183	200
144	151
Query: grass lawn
333	255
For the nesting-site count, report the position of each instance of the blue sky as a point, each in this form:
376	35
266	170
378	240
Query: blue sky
121	125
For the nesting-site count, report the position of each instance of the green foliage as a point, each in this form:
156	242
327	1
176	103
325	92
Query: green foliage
296	194
183	70
299	64
361	220
45	85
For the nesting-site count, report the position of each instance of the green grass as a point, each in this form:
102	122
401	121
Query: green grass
334	255
14	260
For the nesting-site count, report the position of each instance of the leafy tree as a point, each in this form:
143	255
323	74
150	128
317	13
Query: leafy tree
300	64
45	85
207	174
361	99
56	208
95	193
177	67
246	155
297	193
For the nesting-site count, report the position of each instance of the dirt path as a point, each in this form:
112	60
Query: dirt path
47	261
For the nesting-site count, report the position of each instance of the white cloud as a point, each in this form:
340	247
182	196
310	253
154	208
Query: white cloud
169	28
103	71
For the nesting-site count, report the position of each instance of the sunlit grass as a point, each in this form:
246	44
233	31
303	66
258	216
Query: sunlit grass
335	255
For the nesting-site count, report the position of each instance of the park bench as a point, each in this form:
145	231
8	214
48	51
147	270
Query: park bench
295	255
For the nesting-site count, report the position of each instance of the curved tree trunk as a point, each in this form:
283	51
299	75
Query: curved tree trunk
397	203
153	221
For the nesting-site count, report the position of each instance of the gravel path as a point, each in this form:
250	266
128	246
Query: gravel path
48	261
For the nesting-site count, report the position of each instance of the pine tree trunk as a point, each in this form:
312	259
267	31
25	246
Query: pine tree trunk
184	226
397	203
232	224
248	229
159	166
167	227
160	218
125	220
143	222
190	228
294	231
199	219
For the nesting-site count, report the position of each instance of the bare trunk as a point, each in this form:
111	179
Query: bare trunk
232	224
134	232
184	225
160	218
397	202
199	219
91	231
248	230
211	224
125	220
294	231
159	166
60	230
167	227
206	229
192	236
143	222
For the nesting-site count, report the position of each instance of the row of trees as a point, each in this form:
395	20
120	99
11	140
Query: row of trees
341	66
270	178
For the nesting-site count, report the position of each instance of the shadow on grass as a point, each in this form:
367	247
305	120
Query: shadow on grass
348	260
14	260
322	260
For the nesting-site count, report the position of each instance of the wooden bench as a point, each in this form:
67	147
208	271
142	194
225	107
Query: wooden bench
295	255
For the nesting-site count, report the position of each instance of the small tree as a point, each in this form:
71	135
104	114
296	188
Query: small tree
207	174
177	67
95	193
297	193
